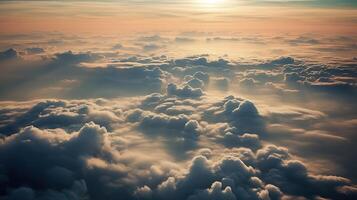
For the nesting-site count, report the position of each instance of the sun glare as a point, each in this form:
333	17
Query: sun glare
210	2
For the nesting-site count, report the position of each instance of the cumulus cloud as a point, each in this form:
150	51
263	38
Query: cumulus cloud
60	114
60	176
215	192
180	141
185	92
249	83
242	115
91	156
231	178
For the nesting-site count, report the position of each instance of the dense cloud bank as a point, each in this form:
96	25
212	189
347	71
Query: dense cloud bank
68	75
63	150
170	129
63	76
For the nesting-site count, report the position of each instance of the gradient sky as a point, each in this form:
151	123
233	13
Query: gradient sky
189	15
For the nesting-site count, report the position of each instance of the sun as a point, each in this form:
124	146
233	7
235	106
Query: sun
210	2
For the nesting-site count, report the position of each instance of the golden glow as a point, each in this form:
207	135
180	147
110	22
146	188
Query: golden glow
191	15
211	3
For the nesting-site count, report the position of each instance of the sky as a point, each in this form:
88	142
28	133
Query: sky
173	16
178	100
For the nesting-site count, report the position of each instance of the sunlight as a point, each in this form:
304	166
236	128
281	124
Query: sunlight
210	2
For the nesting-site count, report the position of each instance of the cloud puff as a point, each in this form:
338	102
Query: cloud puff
60	176
248	83
61	114
251	141
231	178
8	54
184	92
215	192
241	114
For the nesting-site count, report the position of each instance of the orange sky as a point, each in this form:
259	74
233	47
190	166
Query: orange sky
20	17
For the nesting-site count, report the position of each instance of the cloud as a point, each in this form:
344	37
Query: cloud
292	78
185	92
302	40
160	116
53	75
196	83
188	126
151	38
95	163
215	192
272	64
246	140
241	114
35	50
322	80
184	40
71	58
151	47
279	61
250	40
222	39
230	178
249	83
61	114
201	61
221	83
8	55
59	175
290	174
264	76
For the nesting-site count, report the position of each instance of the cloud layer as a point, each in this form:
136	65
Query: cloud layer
112	124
